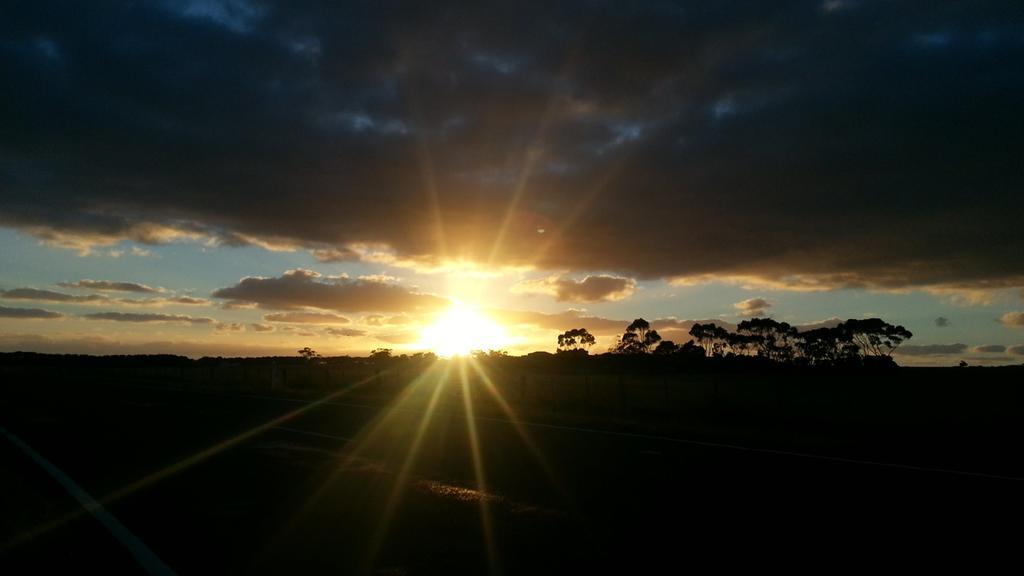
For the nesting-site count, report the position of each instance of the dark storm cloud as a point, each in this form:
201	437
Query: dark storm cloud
29	313
841	143
305	288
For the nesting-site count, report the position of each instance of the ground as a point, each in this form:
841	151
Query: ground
218	479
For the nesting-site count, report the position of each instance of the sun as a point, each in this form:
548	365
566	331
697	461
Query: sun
460	330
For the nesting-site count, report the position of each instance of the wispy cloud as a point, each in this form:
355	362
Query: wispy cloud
28	313
131	317
111	285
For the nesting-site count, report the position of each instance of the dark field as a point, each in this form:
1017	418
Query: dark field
418	469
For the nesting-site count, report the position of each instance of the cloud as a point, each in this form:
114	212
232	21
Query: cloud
344	332
305	288
188	300
783	187
942	322
931	349
991	349
1016	350
306	318
49	296
399	338
257	327
826	323
93	344
670	328
328	255
752	307
380	278
238	16
131	317
28	313
381	320
38	295
650	183
597	288
1013	319
831	6
221	327
111	285
559	321
597	325
159	302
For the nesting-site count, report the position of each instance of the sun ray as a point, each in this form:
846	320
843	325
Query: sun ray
579	209
426	162
533	152
513	418
486	522
402	478
370	433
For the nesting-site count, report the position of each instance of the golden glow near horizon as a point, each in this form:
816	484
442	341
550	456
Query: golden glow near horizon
462	329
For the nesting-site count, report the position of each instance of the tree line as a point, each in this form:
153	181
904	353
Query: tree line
852	342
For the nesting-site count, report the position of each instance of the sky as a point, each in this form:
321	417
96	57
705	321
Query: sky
238	177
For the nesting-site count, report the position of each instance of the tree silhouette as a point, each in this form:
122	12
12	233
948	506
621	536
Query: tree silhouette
575	339
771	338
712	338
666	347
826	346
740	344
691	350
874	336
488	354
639	338
308	353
